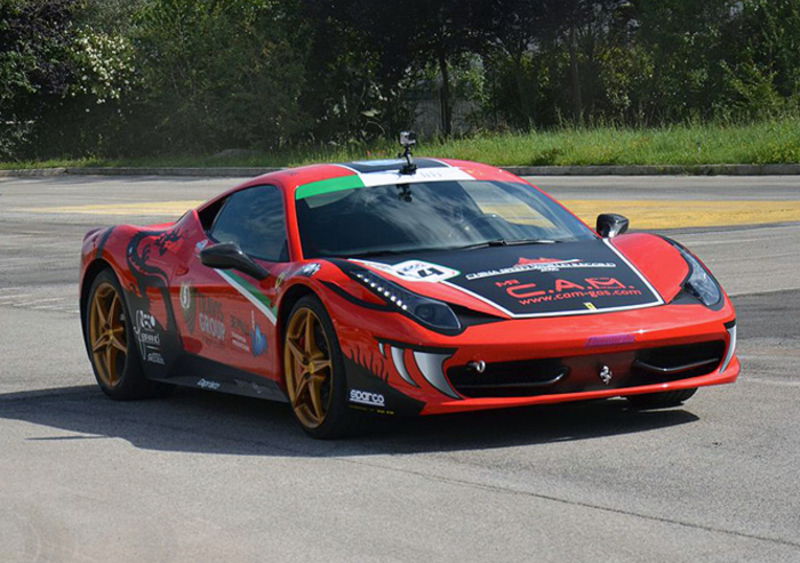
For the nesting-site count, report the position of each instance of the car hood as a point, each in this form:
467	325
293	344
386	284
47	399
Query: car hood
534	280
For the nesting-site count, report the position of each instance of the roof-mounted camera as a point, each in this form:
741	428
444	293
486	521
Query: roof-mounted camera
408	139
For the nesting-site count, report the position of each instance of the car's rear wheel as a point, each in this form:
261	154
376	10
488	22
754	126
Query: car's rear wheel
660	400
110	342
314	371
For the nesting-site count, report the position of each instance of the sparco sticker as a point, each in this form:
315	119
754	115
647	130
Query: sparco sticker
367	398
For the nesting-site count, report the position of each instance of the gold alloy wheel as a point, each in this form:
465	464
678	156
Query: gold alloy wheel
308	368
107	336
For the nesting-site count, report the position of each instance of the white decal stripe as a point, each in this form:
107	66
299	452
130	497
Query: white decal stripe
731	349
432	368
400	364
249	296
421	175
659	300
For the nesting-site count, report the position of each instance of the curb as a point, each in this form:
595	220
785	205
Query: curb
609	170
660	170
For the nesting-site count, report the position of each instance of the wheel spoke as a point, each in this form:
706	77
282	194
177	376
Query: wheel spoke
316	366
108	357
302	385
115	343
309	343
98	309
112	310
296	352
101	342
315	390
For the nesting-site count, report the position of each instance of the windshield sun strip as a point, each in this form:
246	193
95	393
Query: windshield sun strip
330	185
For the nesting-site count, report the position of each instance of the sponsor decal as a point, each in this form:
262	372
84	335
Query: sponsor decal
569	278
201	245
539	265
210	318
248	337
186	296
155	358
367	398
610	340
562	290
258	341
145	327
239	331
415	270
145	321
209	384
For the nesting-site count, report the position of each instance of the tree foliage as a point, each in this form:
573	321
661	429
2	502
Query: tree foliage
111	77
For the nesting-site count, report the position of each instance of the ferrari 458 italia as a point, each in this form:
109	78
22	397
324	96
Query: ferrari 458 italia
400	287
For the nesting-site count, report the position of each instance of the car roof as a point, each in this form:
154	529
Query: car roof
313	178
377	172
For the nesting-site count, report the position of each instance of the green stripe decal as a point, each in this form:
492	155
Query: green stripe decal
329	185
251	293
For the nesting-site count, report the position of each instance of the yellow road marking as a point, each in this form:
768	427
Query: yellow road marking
644	213
661	214
166	208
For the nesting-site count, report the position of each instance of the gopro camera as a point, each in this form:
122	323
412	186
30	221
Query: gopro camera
408	138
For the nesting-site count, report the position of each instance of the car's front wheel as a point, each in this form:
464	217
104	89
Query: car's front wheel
660	400
314	371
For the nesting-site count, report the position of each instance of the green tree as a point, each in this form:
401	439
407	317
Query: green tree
221	74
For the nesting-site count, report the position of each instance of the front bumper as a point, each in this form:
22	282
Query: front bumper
403	362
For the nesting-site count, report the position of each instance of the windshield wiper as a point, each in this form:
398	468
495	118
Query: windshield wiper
504	242
390	252
372	253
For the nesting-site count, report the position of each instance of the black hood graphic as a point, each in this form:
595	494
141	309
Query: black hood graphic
534	280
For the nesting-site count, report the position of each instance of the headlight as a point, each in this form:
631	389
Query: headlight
430	313
700	282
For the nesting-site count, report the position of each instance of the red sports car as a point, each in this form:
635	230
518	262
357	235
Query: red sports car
400	288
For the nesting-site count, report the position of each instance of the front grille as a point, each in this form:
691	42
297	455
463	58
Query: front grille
582	373
507	379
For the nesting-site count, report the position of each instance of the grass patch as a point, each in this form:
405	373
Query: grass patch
760	143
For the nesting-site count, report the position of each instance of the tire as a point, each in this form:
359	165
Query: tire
314	372
109	338
660	400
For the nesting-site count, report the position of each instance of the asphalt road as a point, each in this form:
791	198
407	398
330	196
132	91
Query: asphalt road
200	476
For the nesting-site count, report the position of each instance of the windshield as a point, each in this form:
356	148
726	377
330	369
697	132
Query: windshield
431	216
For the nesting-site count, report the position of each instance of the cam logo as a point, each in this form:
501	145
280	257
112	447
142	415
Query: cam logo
367	398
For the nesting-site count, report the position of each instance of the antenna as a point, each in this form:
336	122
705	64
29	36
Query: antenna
408	139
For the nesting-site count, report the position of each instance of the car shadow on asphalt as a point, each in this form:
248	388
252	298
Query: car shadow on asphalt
198	421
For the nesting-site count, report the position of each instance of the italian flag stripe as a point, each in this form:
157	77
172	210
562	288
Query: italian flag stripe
387	178
251	293
329	185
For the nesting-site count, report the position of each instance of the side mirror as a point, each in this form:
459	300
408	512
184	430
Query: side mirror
230	256
610	225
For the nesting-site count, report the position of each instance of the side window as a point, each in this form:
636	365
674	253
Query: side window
254	218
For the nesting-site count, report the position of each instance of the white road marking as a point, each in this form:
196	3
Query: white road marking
38	301
769	381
